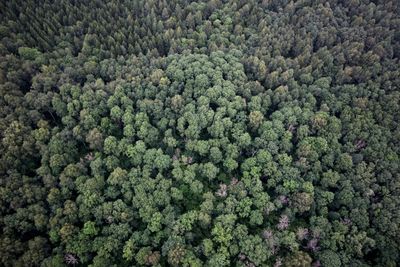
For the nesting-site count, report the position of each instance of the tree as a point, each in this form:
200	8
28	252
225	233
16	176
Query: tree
28	53
95	139
329	258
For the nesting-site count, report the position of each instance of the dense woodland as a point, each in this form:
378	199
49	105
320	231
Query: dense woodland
209	133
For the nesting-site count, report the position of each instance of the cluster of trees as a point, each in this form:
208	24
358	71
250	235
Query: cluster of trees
199	133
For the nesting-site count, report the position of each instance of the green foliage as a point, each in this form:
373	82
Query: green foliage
299	259
27	53
329	258
89	228
199	133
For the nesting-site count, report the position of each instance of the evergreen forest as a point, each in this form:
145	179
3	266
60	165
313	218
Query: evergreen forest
237	133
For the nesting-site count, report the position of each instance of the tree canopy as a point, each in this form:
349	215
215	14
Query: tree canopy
199	133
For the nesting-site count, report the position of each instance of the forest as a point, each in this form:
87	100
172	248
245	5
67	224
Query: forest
200	133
